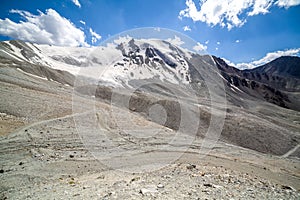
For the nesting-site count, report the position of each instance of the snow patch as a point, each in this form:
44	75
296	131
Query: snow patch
32	75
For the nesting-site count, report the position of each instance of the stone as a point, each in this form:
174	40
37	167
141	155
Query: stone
207	185
145	191
286	187
191	166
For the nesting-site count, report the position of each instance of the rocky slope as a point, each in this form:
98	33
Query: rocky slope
276	82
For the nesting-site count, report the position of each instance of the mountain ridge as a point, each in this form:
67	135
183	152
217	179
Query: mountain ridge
259	82
276	82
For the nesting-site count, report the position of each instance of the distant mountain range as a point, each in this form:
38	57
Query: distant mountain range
276	82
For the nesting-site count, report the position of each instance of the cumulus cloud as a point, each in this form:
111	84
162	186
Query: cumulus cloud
175	41
95	36
287	3
228	13
186	28
237	41
269	57
45	28
199	47
77	3
260	7
83	22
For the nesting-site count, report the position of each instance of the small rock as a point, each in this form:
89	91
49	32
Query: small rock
1	171
190	167
206	191
108	194
135	179
160	186
286	187
21	163
145	191
72	182
217	186
100	177
167	176
71	156
208	185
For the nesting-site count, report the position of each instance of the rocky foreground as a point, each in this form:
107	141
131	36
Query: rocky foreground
177	181
48	160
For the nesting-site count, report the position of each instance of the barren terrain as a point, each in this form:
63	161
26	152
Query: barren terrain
62	142
44	157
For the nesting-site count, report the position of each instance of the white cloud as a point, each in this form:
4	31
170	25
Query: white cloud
83	22
260	7
175	41
124	39
229	12
45	28
213	12
207	41
269	57
218	43
186	28
287	3
237	41
199	47
77	3
95	36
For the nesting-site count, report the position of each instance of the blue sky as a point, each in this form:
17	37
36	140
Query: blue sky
246	33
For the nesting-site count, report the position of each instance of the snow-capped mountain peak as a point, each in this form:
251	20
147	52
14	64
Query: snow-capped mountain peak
116	63
143	59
